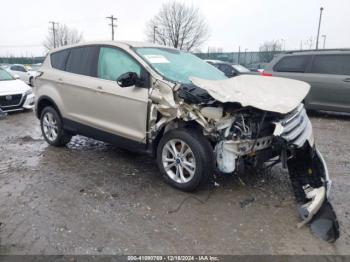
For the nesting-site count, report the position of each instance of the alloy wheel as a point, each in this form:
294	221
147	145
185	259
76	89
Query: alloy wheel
50	126
178	161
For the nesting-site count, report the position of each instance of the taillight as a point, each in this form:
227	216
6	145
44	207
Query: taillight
263	73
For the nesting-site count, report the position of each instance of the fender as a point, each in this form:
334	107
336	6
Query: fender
39	107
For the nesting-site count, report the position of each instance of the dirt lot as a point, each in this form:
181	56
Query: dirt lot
93	198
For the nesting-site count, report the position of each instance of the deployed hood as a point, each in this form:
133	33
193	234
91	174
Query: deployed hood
273	94
12	87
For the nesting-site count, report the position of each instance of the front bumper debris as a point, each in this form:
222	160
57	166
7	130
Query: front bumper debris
311	184
308	173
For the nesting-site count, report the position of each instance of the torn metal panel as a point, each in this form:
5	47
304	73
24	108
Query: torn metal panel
272	94
163	97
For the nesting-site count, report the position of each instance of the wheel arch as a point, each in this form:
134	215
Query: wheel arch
177	123
43	102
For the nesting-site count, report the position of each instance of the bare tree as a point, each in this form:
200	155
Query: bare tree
179	26
63	36
268	50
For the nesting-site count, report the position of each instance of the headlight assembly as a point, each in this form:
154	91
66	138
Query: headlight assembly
29	92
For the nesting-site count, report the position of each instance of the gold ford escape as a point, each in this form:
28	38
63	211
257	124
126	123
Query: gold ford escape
194	119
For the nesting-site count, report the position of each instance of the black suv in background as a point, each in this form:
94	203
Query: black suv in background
327	71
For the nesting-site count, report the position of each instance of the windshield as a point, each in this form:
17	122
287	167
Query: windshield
178	66
4	75
241	68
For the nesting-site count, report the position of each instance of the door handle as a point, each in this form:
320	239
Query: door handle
60	80
346	79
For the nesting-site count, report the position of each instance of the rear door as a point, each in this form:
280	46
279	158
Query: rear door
292	67
77	83
329	76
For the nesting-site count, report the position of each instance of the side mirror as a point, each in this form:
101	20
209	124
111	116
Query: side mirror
15	76
129	79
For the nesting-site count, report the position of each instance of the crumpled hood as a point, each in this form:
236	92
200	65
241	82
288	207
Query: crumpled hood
273	94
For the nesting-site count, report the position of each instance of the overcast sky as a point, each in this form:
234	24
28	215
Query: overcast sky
233	23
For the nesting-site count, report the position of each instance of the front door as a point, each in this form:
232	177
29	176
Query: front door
121	110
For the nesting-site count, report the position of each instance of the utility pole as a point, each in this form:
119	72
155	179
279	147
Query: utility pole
239	54
324	41
154	33
112	24
319	26
54	32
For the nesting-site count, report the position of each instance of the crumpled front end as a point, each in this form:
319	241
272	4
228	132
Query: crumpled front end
244	130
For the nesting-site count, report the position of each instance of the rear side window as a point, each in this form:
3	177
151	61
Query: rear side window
114	62
83	60
58	59
18	68
296	64
226	69
331	64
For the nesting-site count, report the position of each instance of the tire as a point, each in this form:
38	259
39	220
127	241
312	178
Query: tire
52	127
197	163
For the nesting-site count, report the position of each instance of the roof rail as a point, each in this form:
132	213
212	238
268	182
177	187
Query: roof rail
316	50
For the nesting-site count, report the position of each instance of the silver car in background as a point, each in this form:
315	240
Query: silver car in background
327	71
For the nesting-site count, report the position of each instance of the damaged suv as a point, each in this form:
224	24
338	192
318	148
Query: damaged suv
194	119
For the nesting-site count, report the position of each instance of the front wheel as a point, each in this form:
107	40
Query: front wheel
52	127
185	159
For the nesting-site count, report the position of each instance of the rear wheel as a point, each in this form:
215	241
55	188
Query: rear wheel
185	159
52	127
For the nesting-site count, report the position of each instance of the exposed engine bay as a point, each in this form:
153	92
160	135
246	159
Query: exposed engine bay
257	122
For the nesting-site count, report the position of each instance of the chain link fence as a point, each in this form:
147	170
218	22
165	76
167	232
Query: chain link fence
251	59
21	60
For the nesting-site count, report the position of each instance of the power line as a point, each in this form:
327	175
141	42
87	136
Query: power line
54	32
112	24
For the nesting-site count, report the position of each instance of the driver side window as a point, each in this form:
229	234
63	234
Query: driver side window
113	62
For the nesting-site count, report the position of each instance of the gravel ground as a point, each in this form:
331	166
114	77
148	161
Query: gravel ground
93	198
